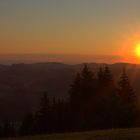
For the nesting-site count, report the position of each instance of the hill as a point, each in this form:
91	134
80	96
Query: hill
22	85
118	134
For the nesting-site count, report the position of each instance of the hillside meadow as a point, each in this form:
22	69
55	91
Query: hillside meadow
114	134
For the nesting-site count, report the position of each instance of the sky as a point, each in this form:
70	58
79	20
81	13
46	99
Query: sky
88	28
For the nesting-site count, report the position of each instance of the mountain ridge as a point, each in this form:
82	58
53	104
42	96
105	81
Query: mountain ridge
22	85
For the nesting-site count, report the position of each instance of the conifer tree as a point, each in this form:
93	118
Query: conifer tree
128	109
43	116
84	87
108	78
107	99
88	84
82	94
100	75
75	90
105	79
105	83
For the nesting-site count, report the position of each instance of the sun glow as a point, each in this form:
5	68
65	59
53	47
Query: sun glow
137	50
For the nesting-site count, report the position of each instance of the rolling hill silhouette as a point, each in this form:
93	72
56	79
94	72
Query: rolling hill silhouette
22	85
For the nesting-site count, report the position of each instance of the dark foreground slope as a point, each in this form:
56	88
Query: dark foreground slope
119	134
22	85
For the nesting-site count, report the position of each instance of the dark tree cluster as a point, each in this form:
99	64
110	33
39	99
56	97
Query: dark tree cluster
95	102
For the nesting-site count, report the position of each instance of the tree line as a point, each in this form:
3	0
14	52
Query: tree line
95	102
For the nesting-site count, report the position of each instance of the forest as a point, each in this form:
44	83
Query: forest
95	101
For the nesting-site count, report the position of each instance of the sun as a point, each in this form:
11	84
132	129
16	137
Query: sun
137	50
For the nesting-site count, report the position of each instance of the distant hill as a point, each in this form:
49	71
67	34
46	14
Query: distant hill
22	85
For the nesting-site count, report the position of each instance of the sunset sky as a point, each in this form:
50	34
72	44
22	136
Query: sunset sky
93	28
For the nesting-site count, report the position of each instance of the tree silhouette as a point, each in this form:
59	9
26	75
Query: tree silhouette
108	78
75	90
82	93
83	87
94	103
100	76
107	99
87	83
128	109
105	81
43	116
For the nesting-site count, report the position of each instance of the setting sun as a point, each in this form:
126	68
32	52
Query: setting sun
138	50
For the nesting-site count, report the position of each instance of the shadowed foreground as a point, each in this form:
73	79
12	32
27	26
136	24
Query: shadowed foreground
118	134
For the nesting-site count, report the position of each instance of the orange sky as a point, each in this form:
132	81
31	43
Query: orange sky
103	28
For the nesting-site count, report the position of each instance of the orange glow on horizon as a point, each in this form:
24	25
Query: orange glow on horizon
129	47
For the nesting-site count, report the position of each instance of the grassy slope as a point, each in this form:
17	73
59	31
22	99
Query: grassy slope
119	134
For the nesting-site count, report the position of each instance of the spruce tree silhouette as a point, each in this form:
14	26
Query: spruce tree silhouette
75	91
108	78
87	84
82	95
128	108
43	116
100	76
105	81
83	87
107	99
